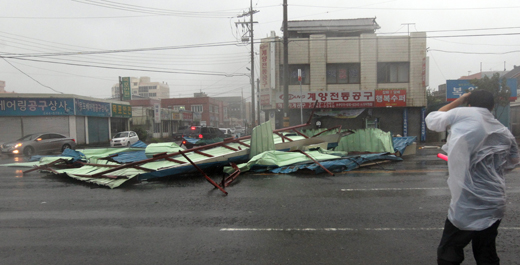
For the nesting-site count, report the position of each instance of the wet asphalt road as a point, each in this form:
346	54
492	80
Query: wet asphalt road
384	214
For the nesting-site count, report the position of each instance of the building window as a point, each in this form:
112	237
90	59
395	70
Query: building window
344	73
152	94
196	108
179	107
393	72
156	127
215	109
293	74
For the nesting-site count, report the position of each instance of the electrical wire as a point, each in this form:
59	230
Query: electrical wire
32	77
155	11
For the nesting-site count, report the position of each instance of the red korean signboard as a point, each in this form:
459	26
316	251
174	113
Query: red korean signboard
264	70
390	98
329	99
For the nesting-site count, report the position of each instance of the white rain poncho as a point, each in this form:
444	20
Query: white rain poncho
480	150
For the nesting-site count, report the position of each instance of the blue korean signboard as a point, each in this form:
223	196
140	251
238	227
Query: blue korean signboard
405	122
36	106
455	88
92	108
423	125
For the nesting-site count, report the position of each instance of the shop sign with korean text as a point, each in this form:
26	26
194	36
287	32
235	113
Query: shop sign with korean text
121	111
176	116
455	88
36	106
92	108
157	113
390	97
187	116
328	99
125	86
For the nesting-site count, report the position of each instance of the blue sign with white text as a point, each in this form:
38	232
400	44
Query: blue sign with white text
455	88
92	108
36	106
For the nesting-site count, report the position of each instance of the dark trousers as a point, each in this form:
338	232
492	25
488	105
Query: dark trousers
453	241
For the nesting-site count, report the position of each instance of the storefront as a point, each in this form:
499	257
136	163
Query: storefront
88	120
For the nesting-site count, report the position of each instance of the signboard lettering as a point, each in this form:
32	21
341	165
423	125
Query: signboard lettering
36	106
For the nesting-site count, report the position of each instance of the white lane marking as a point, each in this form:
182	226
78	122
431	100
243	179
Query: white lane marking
340	229
398	189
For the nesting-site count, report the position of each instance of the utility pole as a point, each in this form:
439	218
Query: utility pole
285	68
252	77
120	89
258	97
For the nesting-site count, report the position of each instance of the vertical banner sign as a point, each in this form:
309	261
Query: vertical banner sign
423	125
264	69
157	112
405	122
125	86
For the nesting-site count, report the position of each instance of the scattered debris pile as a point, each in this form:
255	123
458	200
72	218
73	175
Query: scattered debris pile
284	150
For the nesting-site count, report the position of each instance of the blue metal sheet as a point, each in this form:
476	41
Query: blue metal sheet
400	143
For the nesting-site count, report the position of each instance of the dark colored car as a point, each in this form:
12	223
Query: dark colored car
201	135
38	143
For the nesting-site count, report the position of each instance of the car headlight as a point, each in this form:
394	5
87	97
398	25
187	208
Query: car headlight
17	145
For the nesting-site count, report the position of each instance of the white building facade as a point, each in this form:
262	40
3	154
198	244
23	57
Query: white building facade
357	78
143	87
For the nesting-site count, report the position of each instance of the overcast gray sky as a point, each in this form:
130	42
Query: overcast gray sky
195	46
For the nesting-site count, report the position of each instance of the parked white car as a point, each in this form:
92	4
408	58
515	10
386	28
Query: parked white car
125	138
228	132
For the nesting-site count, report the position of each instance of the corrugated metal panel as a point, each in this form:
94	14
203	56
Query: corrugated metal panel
262	139
367	140
11	129
58	124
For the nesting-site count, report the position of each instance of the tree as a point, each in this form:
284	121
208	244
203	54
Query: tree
498	87
431	99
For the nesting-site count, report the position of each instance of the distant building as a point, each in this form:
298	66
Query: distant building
2	87
143	88
482	75
213	112
236	110
350	71
159	122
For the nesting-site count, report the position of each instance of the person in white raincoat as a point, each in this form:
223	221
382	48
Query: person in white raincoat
480	151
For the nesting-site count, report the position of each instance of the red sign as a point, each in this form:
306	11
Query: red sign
187	116
390	98
329	99
264	99
264	70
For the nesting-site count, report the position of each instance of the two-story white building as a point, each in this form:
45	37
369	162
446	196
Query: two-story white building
359	79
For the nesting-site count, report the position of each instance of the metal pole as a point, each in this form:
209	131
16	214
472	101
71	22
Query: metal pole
258	97
301	102
253	122
120	89
286	122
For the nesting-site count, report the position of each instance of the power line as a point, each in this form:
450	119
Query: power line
465	52
132	69
204	45
154	11
32	77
